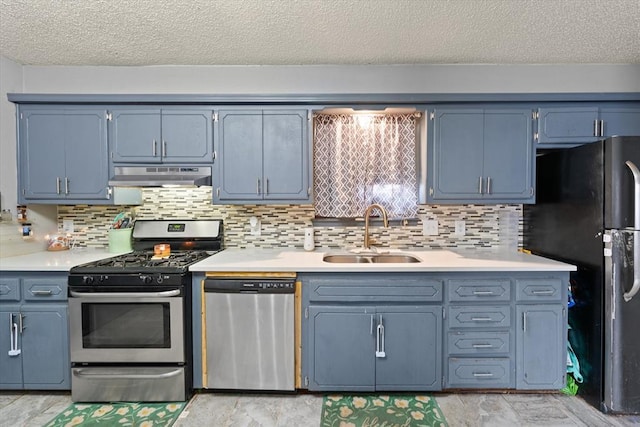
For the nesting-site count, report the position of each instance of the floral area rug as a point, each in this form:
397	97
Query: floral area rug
119	414
381	410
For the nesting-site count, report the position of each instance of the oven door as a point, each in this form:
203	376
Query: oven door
114	327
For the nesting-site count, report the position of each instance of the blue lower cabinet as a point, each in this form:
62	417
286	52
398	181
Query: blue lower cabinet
374	348
34	336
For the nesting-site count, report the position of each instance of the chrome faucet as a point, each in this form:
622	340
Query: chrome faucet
367	213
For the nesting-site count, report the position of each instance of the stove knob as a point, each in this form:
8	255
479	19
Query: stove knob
87	280
146	279
159	279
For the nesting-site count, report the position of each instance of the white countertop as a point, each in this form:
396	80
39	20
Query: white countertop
298	260
53	261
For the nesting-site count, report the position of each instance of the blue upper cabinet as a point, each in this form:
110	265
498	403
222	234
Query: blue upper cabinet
62	155
574	124
152	135
262	156
480	155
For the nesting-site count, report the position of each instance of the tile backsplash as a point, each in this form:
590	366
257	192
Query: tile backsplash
283	225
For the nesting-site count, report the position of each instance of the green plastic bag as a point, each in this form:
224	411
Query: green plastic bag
571	388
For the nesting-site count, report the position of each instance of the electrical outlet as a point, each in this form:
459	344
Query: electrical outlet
67	226
430	227
460	228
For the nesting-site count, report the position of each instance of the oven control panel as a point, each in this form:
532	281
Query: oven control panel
141	279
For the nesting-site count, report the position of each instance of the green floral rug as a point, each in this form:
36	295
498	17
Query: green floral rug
381	410
119	414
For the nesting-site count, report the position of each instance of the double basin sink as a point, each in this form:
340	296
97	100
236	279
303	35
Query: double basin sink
370	258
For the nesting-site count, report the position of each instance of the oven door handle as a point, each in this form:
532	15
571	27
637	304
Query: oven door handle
163	294
79	373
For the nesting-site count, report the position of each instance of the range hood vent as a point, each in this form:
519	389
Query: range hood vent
158	176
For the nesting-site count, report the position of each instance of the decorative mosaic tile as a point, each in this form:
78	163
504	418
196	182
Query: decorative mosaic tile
283	225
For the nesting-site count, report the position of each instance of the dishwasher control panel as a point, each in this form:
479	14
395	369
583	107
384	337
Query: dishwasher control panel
254	285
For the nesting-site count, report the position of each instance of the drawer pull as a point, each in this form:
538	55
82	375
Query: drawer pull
483	292
42	292
482	346
482	374
482	319
550	292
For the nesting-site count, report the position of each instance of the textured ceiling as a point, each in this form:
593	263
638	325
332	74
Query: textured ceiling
299	32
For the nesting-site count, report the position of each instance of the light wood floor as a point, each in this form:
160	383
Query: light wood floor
34	409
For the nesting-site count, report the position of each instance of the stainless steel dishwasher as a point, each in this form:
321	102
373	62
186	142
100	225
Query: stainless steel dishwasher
249	333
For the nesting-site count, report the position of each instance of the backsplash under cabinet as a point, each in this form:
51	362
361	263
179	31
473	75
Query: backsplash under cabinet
283	225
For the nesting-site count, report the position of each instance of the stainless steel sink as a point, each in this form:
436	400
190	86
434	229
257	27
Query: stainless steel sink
373	258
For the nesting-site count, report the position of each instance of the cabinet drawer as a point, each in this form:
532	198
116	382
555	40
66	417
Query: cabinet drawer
480	317
392	289
480	342
479	373
9	289
479	290
543	289
36	289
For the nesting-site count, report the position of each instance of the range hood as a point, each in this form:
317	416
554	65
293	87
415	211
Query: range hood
157	176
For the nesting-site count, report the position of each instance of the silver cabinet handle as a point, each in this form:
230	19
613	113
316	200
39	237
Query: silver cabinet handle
488	185
380	353
524	321
164	148
42	292
482	292
482	374
480	185
551	292
601	127
154	147
163	294
57	185
66	185
482	346
371	326
636	234
595	128
266	186
13	337
258	186
21	322
80	373
481	319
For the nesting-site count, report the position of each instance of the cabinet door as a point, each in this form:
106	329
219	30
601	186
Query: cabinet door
508	154
285	151
187	136
45	346
567	125
238	170
620	121
341	348
10	366
456	154
135	136
42	153
86	163
541	354
412	337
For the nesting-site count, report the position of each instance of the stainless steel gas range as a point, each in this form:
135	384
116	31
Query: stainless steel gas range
130	333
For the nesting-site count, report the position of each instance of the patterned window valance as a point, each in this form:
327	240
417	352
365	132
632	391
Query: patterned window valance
365	159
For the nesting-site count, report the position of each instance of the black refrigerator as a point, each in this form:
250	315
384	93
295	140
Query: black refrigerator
587	213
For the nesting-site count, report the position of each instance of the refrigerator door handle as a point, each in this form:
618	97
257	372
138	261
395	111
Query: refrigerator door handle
636	234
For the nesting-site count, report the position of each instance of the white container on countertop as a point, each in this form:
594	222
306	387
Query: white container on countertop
309	244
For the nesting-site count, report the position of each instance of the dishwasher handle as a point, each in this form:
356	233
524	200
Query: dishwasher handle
250	286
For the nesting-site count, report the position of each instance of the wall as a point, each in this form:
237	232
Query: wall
457	78
283	225
10	81
460	78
